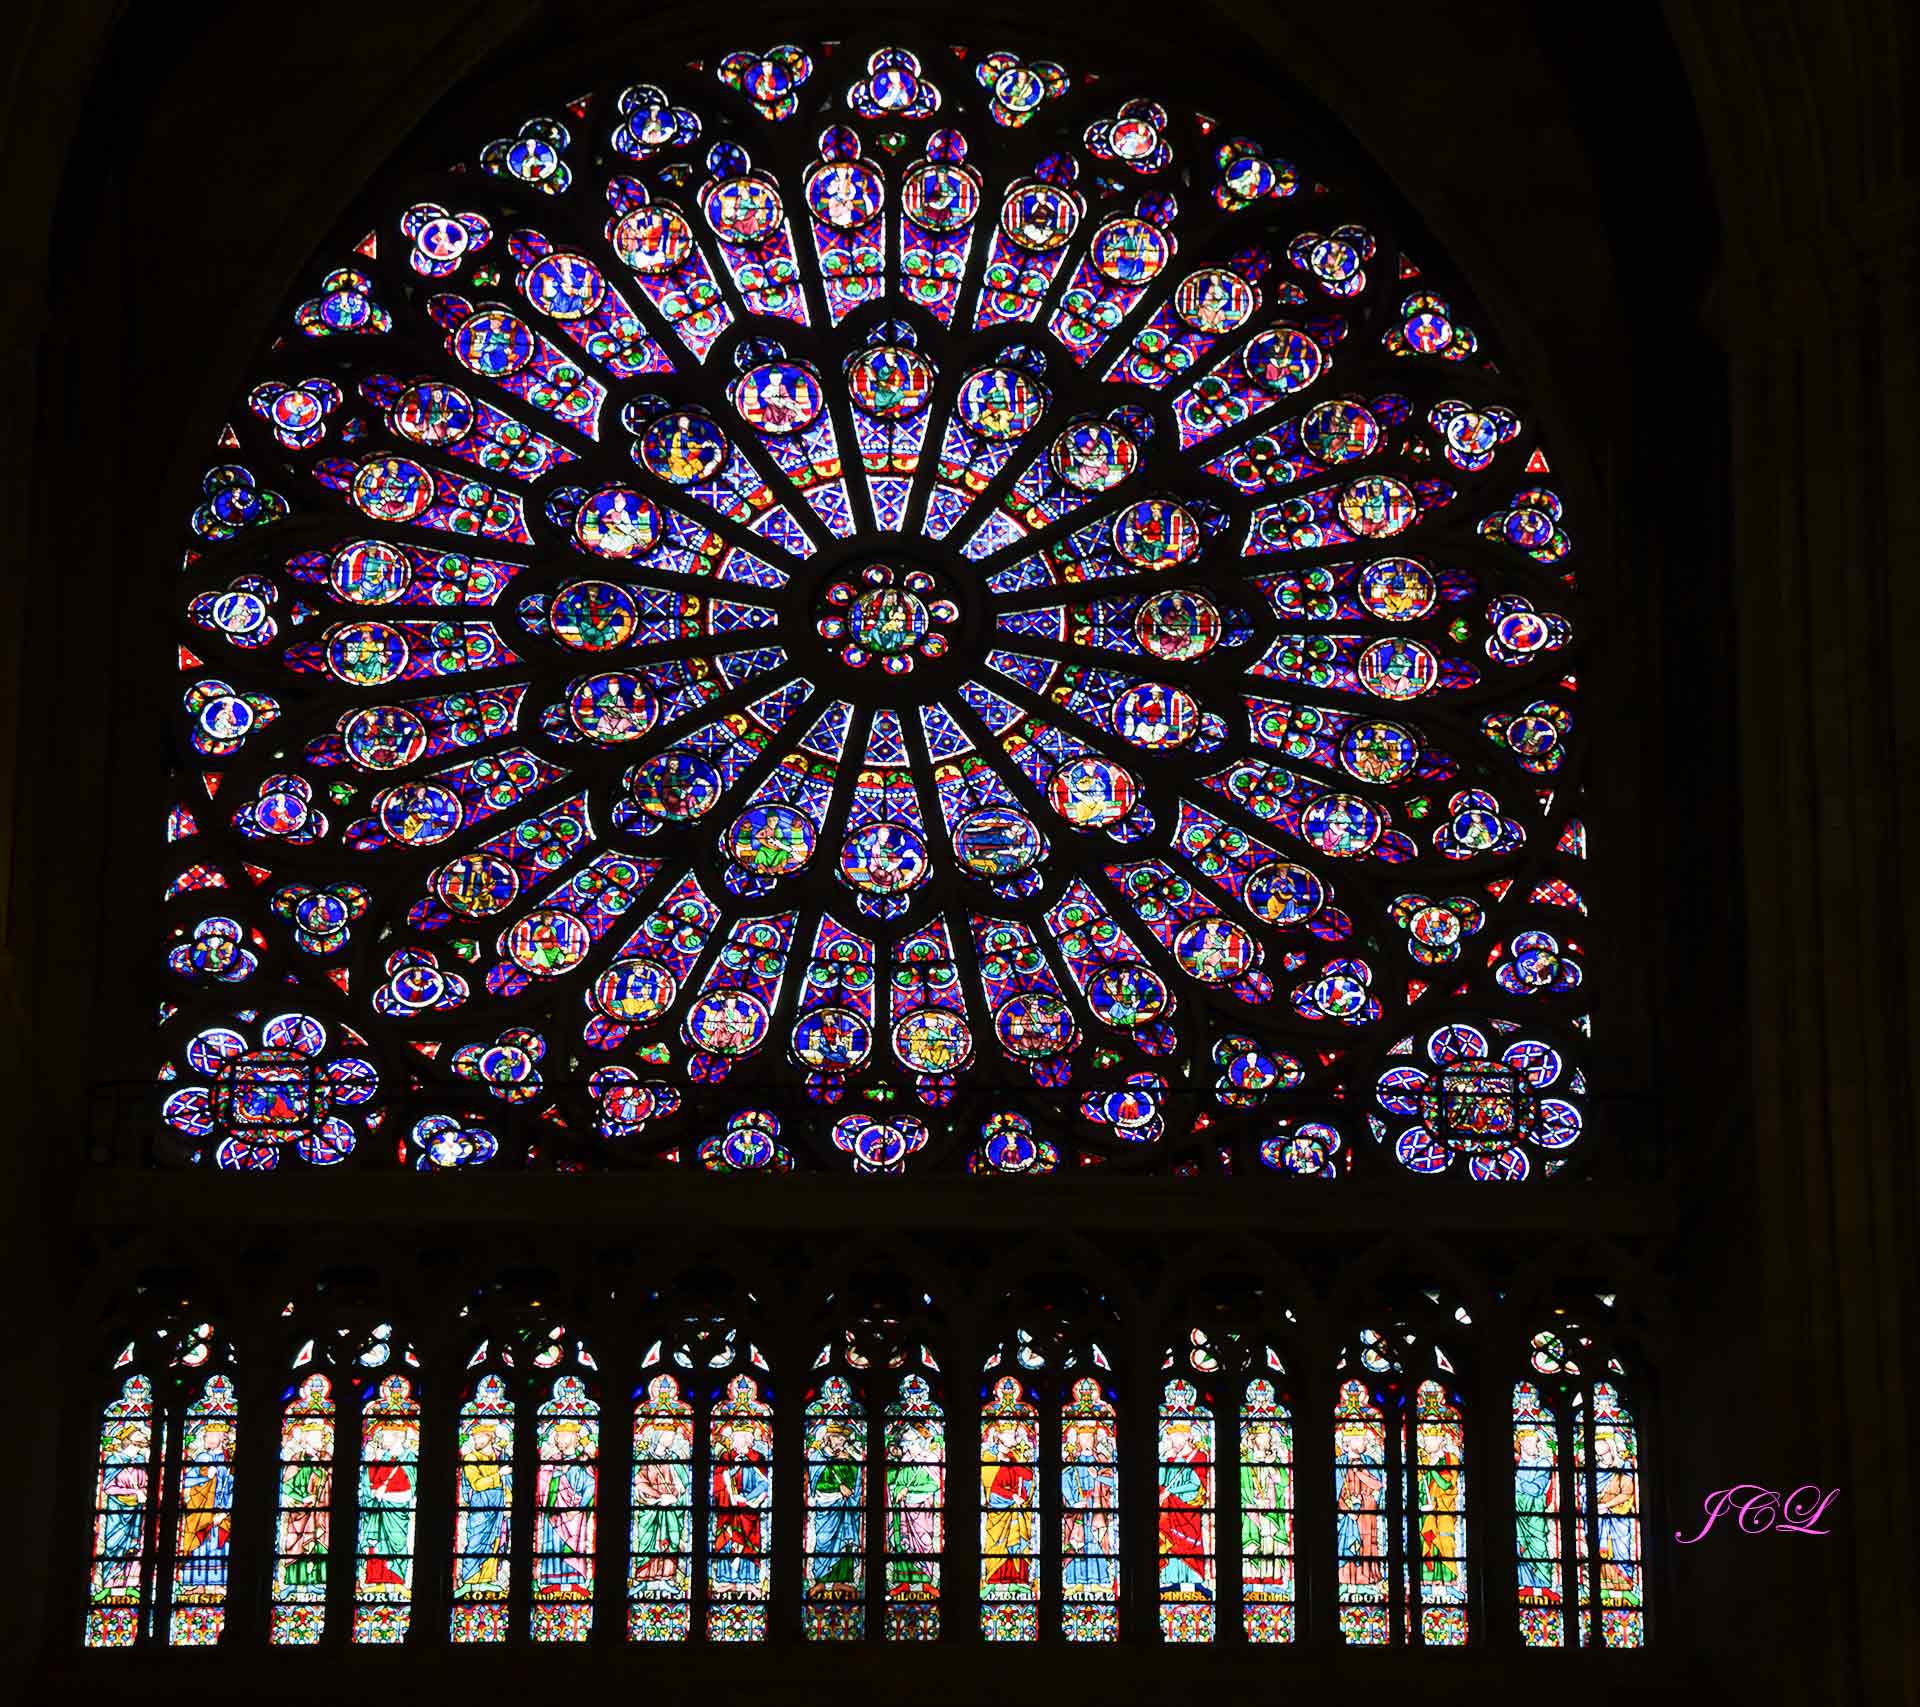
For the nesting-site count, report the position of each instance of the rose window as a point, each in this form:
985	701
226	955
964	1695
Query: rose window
951	617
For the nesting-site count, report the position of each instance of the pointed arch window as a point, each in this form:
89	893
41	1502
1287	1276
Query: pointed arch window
1189	1578
389	1490
701	1534
483	1513
660	1539
1089	1514
1267	1590
835	1540
566	1512
915	1512
303	1529
739	1513
164	1468
1400	1495
1576	1498
1009	1514
122	1516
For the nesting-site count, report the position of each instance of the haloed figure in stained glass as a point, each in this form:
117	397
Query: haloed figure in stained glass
836	1498
1359	1487
567	1481
1090	1499
741	1492
1007	1500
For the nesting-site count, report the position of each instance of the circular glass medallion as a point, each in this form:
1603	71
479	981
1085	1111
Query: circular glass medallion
1127	996
384	737
681	449
1156	534
1397	669
1343	825
1034	1024
1214	301
937	196
593	616
997	842
420	813
613	707
635	992
728	1023
742	210
477	884
676	785
1129	251
1039	217
431	414
653	240
771	840
1378	752
1397	589
392	488
366	654
884	859
778	397
1283	359
1178	626
1214	949
548	942
832	1039
567	287
1001	403
933	1040
1283	893
1094	456
1155	716
845	194
618	523
1091	792
494	343
890	382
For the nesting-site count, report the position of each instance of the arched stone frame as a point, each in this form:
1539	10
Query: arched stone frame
1776	61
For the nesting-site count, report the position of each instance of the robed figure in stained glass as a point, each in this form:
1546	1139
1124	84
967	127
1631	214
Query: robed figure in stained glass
836	1497
1007	1500
1536	1505
568	1477
1358	1488
1089	1498
741	1491
1186	1496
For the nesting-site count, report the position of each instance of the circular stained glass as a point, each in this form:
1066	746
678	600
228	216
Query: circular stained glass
891	613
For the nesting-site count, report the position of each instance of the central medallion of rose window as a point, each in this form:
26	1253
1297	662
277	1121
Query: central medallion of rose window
889	616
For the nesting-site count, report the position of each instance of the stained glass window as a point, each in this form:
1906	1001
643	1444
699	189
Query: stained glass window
163	1492
1574	1434
1400	1494
660	1557
1266	1515
836	1530
122	1518
942	585
739	1513
1009	1514
1360	1492
203	1532
1089	1515
389	1493
304	1531
566	1507
1189	1580
483	1514
916	1504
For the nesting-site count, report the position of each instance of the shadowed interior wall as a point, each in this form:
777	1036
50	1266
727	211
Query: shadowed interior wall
1696	231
